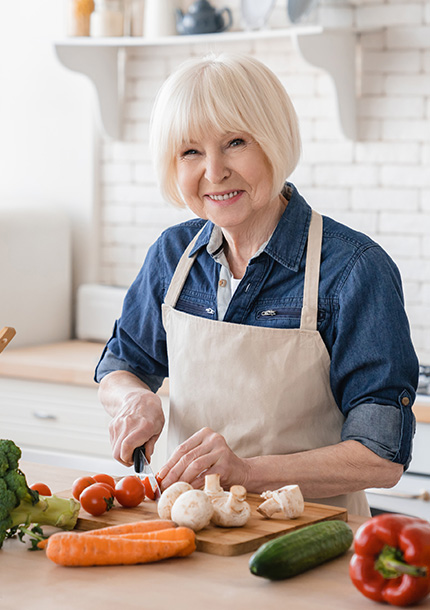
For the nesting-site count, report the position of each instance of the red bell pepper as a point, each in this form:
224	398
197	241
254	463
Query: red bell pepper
391	561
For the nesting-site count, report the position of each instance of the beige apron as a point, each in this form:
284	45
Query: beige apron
266	390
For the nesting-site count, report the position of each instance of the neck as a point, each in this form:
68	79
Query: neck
243	244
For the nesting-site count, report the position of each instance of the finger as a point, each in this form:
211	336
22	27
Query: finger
192	468
134	439
177	472
180	452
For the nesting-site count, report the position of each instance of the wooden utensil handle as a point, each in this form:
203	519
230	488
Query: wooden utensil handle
6	335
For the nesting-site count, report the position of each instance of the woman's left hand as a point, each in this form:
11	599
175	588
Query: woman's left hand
205	452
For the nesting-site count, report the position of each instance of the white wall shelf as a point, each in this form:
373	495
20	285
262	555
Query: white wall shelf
102	60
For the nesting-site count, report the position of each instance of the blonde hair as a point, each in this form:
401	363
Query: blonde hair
224	93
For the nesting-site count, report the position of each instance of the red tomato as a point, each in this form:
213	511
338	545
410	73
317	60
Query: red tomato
96	499
129	491
42	489
149	492
110	490
104	478
80	484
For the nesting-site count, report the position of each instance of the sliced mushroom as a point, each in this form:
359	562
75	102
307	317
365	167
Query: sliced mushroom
287	500
192	509
169	496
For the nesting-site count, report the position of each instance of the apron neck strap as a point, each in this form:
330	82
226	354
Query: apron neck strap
312	273
181	273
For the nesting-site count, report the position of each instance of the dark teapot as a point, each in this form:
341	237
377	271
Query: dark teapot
202	18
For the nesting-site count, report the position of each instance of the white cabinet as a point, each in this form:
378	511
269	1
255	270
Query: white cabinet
54	416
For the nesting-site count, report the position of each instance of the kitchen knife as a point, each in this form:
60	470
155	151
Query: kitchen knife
141	464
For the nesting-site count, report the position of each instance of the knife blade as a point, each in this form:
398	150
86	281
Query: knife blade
141	464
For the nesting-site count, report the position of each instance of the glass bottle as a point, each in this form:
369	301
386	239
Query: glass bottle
78	13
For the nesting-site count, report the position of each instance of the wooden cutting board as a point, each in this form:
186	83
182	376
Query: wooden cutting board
220	540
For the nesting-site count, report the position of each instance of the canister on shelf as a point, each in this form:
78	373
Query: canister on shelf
78	13
107	18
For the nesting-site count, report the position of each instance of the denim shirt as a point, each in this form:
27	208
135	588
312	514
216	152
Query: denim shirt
361	317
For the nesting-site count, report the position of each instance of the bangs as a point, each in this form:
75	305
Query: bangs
207	106
224	94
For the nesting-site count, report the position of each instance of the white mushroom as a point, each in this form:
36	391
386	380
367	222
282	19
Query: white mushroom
212	486
169	496
288	500
231	508
192	509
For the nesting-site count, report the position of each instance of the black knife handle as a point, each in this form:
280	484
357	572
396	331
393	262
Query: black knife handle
138	459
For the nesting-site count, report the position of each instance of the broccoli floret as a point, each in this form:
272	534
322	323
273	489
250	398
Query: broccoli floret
20	505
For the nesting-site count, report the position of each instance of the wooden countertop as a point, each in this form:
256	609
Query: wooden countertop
421	410
70	362
201	580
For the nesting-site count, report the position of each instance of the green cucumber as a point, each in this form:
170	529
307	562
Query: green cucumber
301	550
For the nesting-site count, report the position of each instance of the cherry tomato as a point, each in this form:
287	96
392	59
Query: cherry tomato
80	484
42	489
110	490
149	492
129	491
104	478
96	499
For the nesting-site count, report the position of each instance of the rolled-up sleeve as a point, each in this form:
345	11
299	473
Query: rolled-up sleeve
386	430
110	363
374	367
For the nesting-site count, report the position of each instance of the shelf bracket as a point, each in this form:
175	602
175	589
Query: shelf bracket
103	66
335	53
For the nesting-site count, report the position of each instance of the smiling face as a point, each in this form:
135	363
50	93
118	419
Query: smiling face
222	94
225	178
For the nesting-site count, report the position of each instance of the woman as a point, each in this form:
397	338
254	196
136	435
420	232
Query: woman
283	334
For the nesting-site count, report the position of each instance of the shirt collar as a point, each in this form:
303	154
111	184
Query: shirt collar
288	240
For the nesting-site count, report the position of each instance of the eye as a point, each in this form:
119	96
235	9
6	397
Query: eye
237	142
189	152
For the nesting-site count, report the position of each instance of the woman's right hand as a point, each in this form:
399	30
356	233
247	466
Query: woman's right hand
138	420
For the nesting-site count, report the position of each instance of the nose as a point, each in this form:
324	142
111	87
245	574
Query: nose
216	169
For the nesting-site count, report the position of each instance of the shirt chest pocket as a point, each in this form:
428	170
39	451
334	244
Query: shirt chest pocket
281	316
203	310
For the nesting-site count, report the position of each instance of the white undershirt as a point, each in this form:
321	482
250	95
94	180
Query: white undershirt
234	284
227	284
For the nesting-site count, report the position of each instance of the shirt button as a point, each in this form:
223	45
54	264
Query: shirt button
405	401
222	283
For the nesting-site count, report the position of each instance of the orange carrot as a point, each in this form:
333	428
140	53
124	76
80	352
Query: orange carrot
71	549
178	533
125	528
133	527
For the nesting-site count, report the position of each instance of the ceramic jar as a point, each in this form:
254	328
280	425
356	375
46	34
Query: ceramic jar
107	18
159	18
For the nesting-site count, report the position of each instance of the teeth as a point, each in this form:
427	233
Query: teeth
224	197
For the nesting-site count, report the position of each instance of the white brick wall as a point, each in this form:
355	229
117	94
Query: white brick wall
379	184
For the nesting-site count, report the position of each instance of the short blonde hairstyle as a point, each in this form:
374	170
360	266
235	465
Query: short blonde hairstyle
223	93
